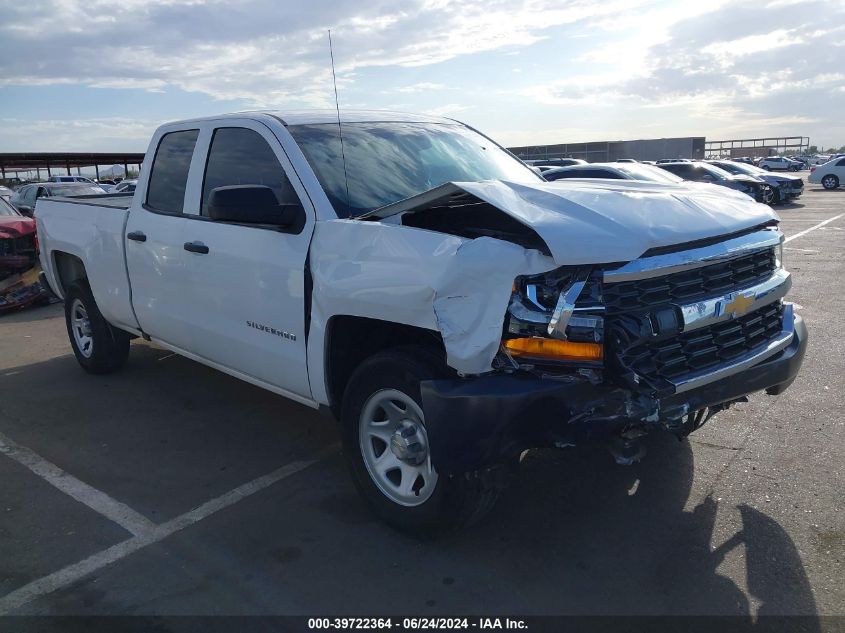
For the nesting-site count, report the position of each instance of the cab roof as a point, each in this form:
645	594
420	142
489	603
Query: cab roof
302	117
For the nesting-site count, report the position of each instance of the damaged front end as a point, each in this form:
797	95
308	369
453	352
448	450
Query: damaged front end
554	341
610	353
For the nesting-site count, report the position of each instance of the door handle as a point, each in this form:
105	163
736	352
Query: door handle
196	247
136	236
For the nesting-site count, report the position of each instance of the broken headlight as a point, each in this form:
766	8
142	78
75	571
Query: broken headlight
556	316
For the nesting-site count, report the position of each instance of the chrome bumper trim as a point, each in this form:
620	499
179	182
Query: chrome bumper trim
659	265
699	379
719	309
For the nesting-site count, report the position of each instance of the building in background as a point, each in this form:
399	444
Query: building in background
609	151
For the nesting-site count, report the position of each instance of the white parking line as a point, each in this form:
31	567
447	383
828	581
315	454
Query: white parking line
72	573
97	500
813	228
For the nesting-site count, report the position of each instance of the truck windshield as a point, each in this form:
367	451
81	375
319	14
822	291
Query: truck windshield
388	162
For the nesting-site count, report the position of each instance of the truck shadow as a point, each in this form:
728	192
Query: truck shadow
629	540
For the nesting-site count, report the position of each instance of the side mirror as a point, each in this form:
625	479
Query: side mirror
254	204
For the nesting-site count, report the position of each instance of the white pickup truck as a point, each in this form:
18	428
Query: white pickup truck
447	305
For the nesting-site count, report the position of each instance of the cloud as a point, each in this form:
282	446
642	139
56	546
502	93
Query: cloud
261	51
752	69
620	68
78	135
448	109
423	86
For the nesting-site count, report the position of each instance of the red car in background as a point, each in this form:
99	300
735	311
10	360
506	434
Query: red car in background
19	265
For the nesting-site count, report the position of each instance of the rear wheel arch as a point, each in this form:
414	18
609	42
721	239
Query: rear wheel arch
68	269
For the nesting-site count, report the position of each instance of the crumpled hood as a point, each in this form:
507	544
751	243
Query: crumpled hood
14	226
593	222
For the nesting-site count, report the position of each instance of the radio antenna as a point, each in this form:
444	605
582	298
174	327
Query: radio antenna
339	126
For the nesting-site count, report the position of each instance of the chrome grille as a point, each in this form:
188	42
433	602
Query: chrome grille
657	363
689	286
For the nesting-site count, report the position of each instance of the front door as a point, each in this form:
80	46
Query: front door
247	283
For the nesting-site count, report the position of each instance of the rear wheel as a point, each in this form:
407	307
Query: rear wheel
99	348
830	182
387	448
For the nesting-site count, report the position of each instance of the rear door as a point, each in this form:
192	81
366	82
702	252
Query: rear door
154	243
247	286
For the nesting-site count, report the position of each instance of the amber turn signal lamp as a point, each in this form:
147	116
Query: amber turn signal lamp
553	349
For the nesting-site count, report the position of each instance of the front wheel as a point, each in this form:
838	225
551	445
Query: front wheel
830	182
388	452
99	348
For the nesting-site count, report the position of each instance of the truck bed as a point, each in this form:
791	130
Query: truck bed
89	229
114	200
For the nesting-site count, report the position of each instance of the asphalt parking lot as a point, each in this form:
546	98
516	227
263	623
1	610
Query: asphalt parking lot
170	488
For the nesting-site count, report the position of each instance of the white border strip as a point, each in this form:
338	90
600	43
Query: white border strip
812	228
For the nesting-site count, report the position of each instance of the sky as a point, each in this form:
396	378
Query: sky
101	75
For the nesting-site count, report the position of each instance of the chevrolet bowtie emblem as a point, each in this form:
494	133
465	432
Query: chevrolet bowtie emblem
739	305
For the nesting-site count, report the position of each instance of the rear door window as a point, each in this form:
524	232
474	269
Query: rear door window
169	174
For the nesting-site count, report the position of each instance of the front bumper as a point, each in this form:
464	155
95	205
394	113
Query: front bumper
473	423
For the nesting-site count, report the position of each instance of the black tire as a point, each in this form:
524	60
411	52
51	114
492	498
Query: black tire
456	501
830	181
767	168
109	347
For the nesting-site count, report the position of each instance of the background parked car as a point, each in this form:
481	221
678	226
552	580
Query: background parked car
24	198
830	175
614	171
555	162
785	187
125	186
703	172
780	163
71	179
6	193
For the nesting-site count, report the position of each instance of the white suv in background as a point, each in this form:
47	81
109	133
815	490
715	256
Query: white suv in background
830	175
775	163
